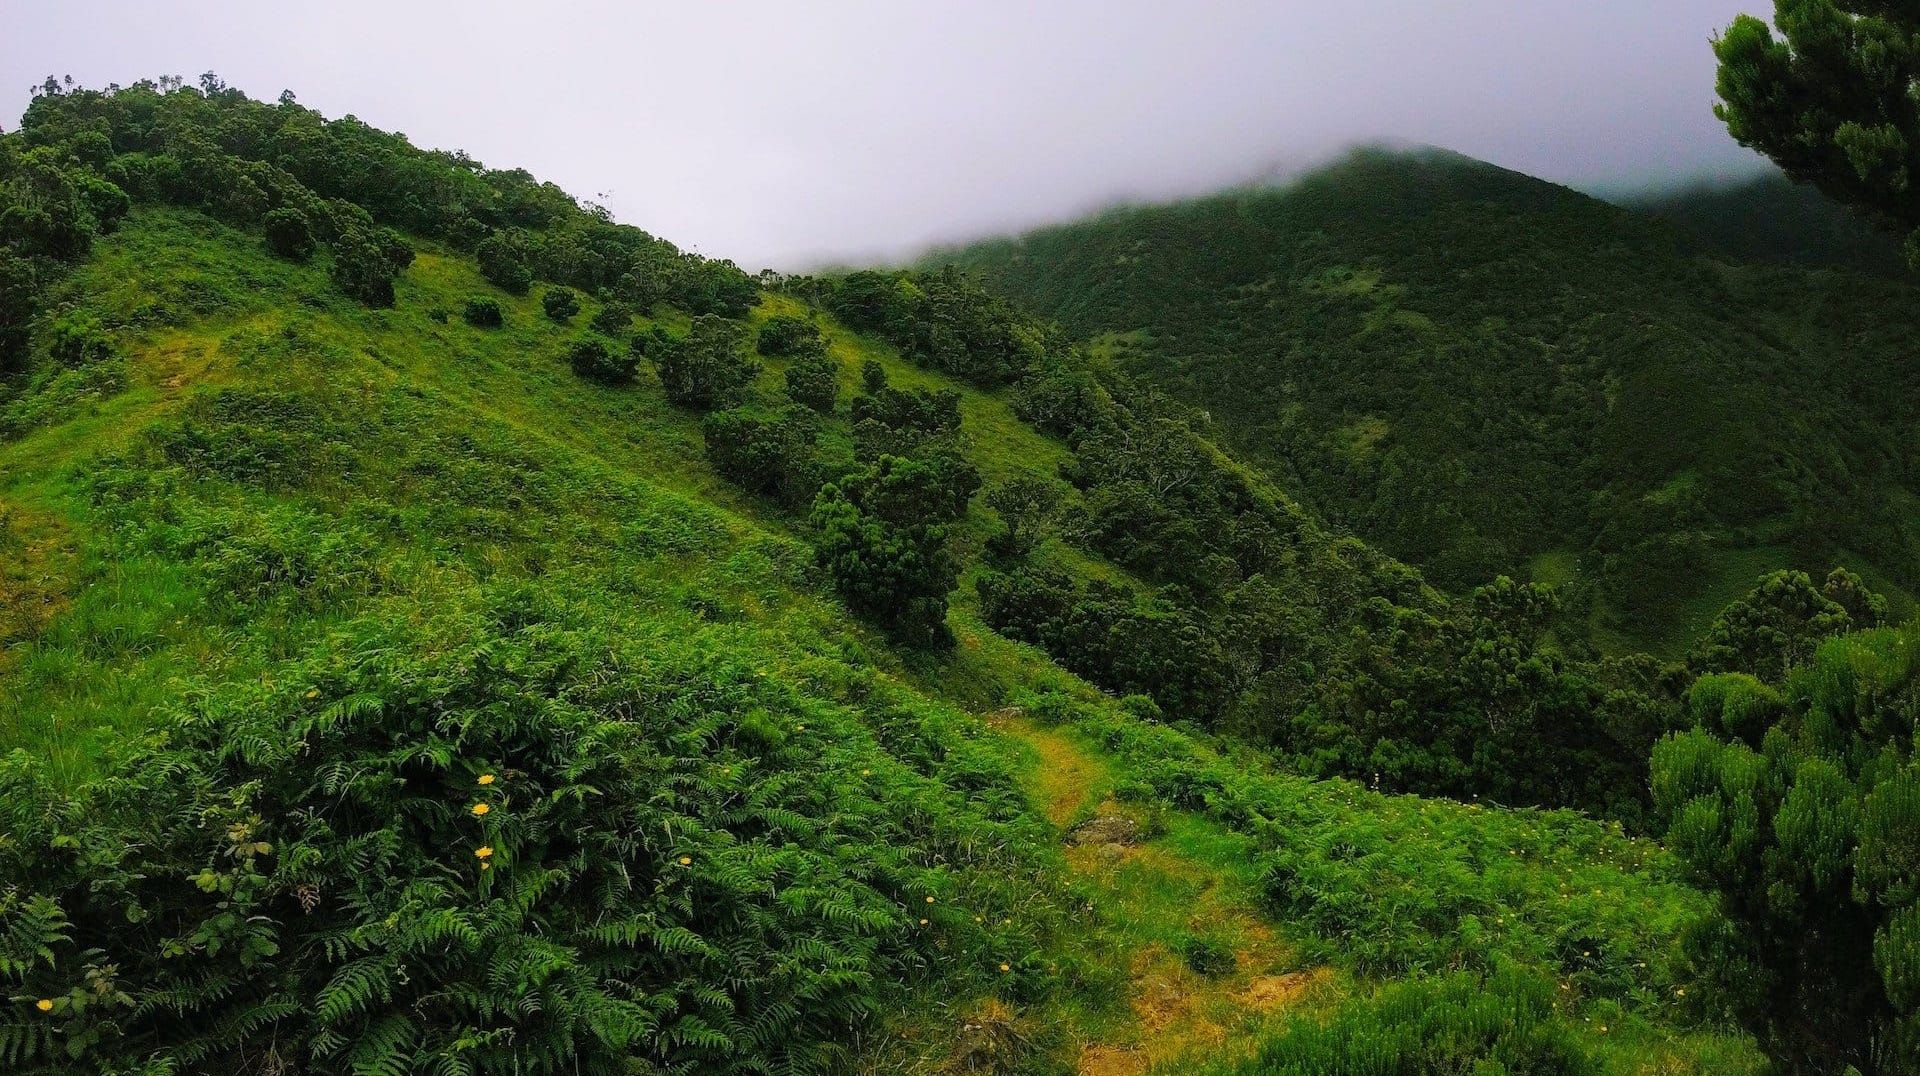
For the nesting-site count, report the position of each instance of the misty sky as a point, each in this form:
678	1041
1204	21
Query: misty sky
782	134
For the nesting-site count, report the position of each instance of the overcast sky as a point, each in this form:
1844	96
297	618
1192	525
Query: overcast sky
781	134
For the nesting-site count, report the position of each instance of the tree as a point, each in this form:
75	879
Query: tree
502	265
560	304
1812	841
289	234
814	380
365	263
592	359
1832	101
482	312
1026	505
885	540
1777	625
707	368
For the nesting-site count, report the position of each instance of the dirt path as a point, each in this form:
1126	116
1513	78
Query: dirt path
1179	893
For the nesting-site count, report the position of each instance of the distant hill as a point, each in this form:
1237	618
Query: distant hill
1771	219
1484	373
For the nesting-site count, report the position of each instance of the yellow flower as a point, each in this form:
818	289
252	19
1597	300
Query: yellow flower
486	866
44	1004
485	851
486	779
929	900
923	922
313	693
686	861
1006	967
480	809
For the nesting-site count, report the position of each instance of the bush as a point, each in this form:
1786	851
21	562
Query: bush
884	539
613	319
592	359
707	368
365	263
502	265
483	312
560	304
77	339
786	334
770	456
814	381
289	234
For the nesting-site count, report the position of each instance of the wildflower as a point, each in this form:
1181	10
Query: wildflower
313	693
923	922
480	809
1006	967
485	851
44	1004
929	900
686	861
486	779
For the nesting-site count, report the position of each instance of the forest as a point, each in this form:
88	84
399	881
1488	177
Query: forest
445	630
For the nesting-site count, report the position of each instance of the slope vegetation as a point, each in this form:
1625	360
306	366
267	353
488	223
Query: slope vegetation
399	680
1482	373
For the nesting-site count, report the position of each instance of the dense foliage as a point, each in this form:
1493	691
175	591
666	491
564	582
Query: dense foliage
1831	101
1769	218
80	154
1481	373
1799	801
396	701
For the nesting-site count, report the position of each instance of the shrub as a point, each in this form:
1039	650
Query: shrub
771	456
365	263
884	539
814	381
483	312
785	334
289	234
502	265
77	339
613	319
19	302
560	304
707	368
592	359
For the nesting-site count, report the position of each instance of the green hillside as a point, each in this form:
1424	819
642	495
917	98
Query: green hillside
446	631
1768	218
1483	373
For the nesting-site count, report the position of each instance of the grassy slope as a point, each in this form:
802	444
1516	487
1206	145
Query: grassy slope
271	462
1473	369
